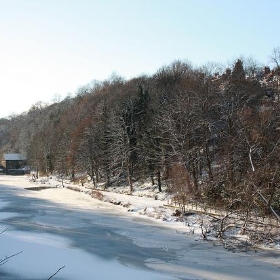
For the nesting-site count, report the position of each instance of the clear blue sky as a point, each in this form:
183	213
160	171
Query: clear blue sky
52	47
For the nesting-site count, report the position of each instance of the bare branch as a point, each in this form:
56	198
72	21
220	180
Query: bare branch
250	158
270	207
275	57
3	261
4	230
56	272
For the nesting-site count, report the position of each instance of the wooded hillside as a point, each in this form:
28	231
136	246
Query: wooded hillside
212	137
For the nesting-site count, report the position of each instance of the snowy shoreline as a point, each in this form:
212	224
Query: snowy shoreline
146	202
143	209
202	224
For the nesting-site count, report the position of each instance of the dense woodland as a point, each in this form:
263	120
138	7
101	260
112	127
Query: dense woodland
209	136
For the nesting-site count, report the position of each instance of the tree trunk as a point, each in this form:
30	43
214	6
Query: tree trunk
96	175
208	159
159	181
107	181
194	174
130	183
94	180
151	171
152	179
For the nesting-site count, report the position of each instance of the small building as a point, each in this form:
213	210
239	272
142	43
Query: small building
14	163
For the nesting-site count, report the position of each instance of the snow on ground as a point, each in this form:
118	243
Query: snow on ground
55	253
43	254
146	201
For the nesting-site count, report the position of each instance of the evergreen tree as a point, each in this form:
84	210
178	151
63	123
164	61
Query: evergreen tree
238	72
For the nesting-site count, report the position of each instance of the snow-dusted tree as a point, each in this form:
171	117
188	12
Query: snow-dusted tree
184	122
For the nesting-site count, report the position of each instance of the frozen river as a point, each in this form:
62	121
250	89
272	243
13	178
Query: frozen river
97	242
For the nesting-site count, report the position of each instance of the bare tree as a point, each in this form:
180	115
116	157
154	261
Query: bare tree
275	57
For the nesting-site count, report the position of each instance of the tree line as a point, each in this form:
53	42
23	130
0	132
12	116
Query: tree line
207	136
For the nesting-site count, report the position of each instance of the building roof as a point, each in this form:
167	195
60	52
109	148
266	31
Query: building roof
14	157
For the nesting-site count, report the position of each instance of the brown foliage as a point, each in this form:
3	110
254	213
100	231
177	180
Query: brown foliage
97	194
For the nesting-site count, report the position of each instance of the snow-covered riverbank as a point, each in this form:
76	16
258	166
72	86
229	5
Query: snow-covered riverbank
148	202
196	258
